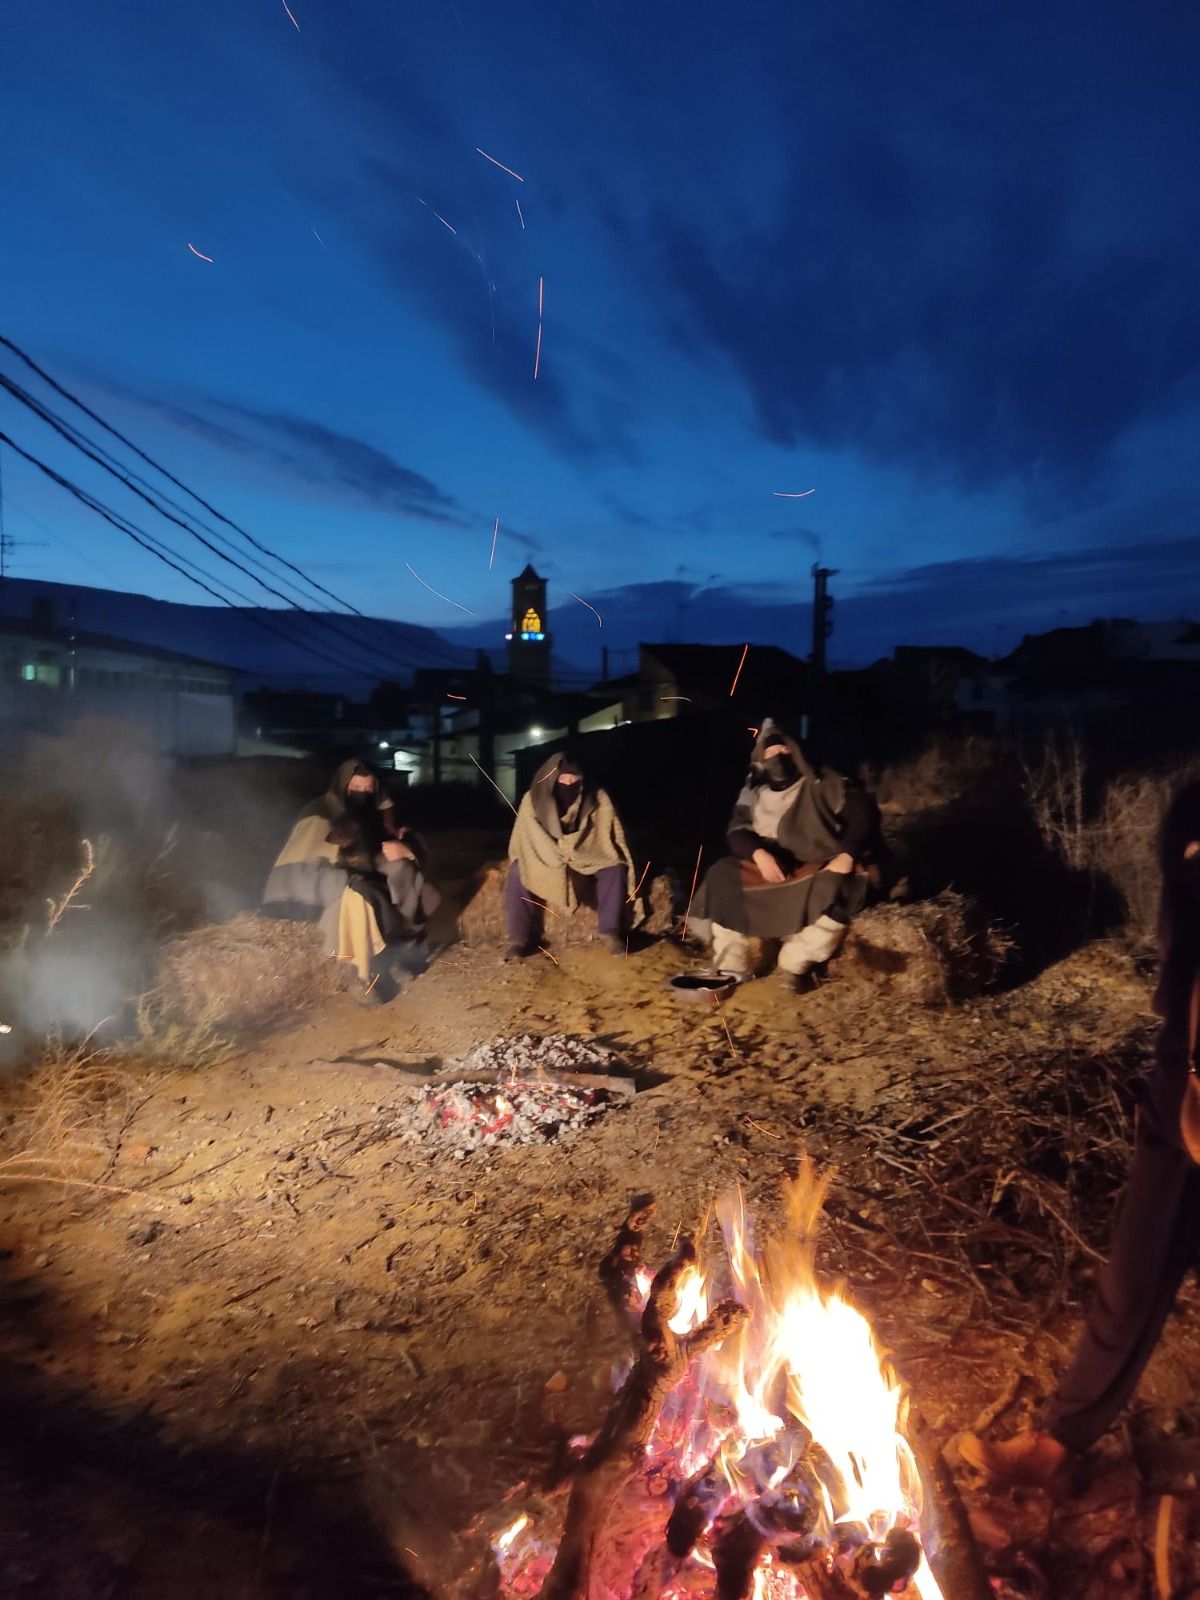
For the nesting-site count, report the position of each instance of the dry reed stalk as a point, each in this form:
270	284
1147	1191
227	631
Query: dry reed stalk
58	907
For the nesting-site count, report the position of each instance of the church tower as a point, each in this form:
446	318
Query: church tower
529	638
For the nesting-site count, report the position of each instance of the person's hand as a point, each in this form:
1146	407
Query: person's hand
1191	849
769	868
393	850
841	864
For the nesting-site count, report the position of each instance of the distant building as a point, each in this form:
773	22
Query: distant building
52	676
673	680
529	641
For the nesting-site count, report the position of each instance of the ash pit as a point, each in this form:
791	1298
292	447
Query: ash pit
527	1090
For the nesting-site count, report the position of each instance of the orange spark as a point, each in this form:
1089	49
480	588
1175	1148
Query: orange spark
640	882
692	892
683	697
450	696
546	952
521	216
541	906
750	1123
754	731
537	355
438	592
499	164
591	608
725	1025
291	18
200	253
444	223
782	494
738	673
495	536
540	282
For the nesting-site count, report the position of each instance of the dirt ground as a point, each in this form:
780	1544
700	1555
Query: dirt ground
279	1355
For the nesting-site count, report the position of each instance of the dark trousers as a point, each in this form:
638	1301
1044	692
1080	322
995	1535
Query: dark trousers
525	913
1155	1241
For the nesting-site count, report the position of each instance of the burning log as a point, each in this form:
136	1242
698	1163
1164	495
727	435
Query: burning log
957	1564
619	1448
619	1269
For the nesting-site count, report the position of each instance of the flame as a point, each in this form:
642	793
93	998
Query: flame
505	1539
807	1356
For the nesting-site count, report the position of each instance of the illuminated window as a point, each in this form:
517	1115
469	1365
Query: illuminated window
531	622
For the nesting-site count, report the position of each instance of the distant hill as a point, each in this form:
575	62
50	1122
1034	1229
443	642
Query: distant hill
238	638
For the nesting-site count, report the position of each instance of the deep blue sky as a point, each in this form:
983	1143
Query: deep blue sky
937	263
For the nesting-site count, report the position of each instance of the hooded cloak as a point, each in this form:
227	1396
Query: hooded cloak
817	816
325	872
551	846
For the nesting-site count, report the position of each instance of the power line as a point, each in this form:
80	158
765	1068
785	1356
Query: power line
79	442
176	563
74	400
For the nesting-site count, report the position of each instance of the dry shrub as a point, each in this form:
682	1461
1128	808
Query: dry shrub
238	975
64	1116
946	767
1123	841
931	953
481	921
1109	832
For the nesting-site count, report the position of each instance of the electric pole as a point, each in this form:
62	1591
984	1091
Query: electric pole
822	623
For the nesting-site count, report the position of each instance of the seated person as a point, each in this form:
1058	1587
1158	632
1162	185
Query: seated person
349	864
568	847
798	838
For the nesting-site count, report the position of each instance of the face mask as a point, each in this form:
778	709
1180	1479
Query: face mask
566	793
781	771
360	799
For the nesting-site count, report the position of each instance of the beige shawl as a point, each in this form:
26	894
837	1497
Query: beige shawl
546	856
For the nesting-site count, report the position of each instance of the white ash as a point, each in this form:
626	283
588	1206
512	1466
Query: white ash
530	1054
524	1106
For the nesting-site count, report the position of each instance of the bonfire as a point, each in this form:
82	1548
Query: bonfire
759	1444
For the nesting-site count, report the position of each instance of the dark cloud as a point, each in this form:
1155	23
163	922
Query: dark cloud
804	536
952	277
321	455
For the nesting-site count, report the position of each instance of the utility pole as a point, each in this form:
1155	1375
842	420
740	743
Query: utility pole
603	663
822	623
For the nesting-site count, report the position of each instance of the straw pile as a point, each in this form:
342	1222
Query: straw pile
929	953
481	921
244	973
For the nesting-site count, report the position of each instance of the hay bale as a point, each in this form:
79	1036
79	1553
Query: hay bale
481	921
930	953
244	973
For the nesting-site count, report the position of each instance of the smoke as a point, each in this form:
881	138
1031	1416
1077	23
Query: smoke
106	850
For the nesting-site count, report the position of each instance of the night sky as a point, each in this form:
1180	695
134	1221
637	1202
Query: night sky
935	263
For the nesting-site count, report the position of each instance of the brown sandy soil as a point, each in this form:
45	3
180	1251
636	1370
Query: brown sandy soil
289	1357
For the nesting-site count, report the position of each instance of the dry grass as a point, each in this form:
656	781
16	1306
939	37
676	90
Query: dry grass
482	922
1109	831
930	953
65	1114
235	976
946	767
